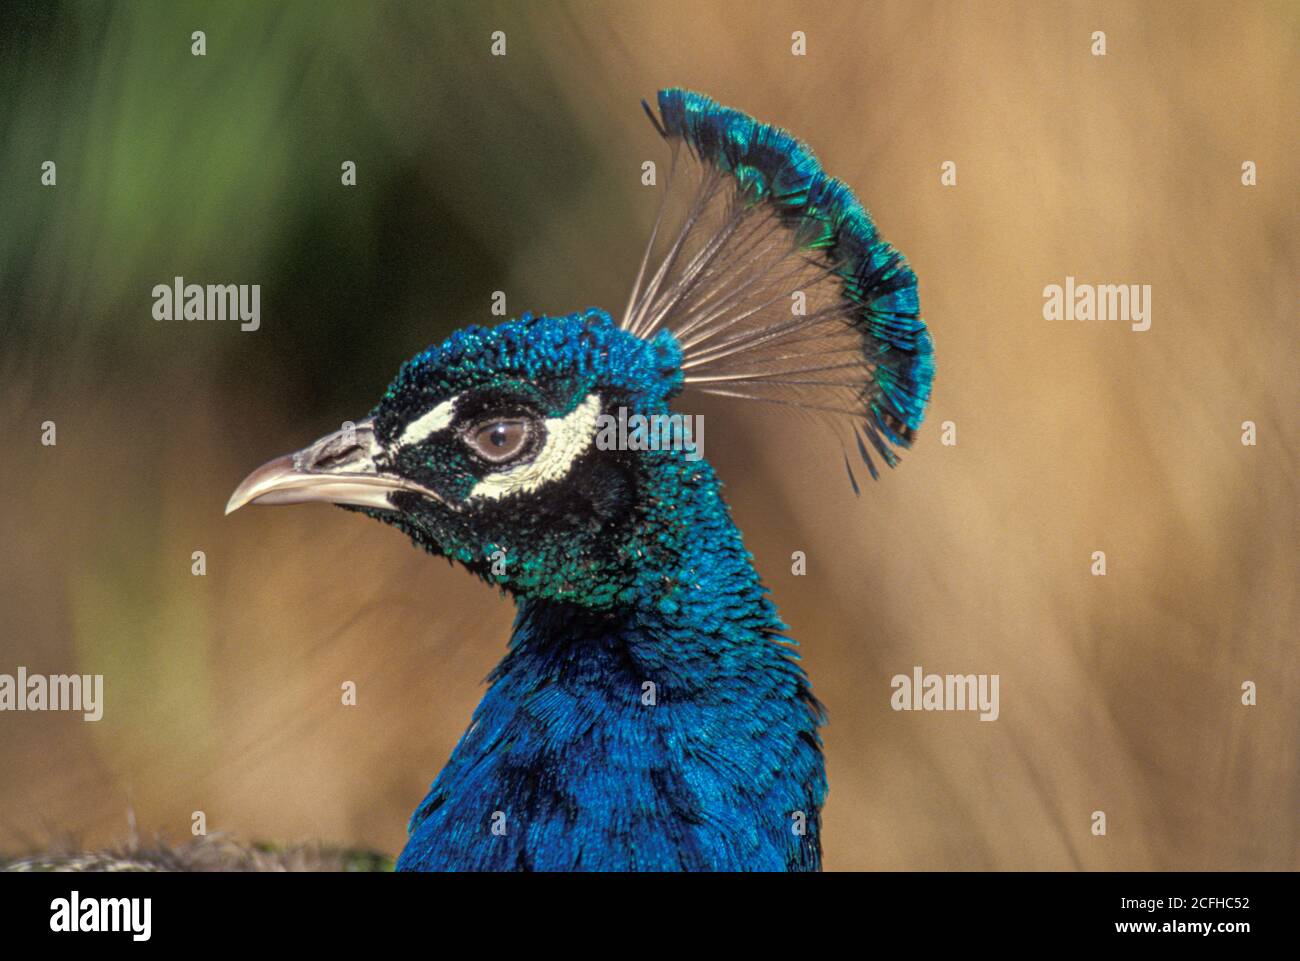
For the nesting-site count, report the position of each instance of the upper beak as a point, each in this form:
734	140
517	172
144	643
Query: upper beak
340	468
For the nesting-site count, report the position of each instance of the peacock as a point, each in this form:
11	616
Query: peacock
650	713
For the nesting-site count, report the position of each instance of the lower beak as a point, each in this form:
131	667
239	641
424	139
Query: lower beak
340	468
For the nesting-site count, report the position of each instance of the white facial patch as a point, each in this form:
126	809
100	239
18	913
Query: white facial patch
566	438
435	420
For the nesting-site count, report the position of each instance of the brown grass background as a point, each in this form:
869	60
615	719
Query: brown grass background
1119	694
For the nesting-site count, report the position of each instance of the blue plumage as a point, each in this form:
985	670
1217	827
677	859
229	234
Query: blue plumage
568	760
649	714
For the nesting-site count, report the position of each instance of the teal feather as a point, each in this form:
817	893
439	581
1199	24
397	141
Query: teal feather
876	297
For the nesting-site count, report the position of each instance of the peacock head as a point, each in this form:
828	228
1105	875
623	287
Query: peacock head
487	449
773	285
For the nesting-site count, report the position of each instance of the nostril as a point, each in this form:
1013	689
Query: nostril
348	451
332	460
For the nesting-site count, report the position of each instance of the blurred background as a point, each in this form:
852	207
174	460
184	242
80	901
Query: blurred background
521	173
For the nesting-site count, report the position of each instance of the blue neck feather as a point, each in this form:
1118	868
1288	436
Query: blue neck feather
675	731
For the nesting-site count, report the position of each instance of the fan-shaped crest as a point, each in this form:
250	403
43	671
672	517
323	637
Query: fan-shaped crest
775	282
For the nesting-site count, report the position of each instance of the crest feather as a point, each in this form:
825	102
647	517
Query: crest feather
775	282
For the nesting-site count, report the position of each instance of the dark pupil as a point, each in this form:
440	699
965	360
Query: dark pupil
499	440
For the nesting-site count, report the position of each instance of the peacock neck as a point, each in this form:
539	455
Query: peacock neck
675	730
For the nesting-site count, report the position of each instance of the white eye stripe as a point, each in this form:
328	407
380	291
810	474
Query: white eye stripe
435	420
566	438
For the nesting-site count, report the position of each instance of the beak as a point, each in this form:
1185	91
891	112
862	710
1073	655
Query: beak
340	468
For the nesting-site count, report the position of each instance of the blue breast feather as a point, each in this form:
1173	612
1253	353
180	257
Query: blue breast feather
576	771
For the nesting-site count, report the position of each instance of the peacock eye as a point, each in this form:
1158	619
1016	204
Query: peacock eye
499	440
